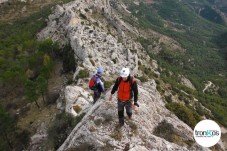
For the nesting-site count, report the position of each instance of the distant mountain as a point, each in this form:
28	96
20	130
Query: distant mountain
213	10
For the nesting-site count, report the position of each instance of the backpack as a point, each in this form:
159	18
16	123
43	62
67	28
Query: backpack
131	81
92	83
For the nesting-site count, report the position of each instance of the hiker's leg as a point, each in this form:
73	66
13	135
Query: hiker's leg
120	106
96	96
128	107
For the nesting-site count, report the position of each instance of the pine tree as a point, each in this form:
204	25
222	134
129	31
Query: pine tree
7	126
31	92
42	86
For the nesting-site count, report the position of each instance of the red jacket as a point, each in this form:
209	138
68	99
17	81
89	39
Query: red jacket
125	89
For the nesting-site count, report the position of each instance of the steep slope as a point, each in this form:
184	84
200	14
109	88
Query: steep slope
202	58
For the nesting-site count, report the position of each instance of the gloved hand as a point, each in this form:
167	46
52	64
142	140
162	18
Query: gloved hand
136	104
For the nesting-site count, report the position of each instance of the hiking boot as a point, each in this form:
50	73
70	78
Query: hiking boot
120	125
129	118
129	115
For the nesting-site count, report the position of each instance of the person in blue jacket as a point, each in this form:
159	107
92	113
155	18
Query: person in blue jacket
99	85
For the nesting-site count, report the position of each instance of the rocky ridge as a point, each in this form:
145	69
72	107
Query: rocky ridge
98	37
97	130
95	43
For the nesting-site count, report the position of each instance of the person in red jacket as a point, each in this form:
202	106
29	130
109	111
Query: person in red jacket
127	87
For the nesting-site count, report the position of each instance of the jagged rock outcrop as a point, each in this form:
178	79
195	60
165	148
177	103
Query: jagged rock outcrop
76	99
97	129
3	1
39	137
186	82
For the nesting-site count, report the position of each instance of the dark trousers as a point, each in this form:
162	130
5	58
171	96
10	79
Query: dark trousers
96	96
121	105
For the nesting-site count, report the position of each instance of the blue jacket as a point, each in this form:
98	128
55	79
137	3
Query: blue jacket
100	84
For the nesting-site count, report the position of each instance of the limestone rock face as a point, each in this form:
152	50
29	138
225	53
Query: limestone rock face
3	1
186	82
94	43
76	97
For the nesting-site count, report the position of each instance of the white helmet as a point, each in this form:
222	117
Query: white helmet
124	72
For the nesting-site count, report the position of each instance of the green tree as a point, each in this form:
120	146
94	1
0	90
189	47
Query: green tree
42	86
13	74
46	60
185	114
31	92
69	62
50	47
45	45
7	126
47	67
